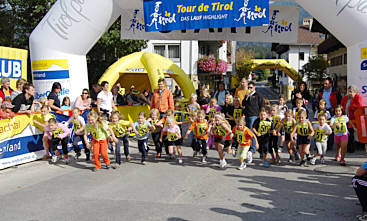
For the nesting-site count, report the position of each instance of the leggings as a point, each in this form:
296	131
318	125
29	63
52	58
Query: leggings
273	144
142	145
124	140
263	144
64	143
157	143
321	147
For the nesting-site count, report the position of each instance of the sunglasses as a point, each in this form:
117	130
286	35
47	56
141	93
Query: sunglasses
84	93
250	87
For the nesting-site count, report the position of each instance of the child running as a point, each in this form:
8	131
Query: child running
304	132
99	132
243	135
45	117
121	129
262	127
173	138
142	126
221	131
274	136
322	131
79	128
200	127
58	133
339	124
156	133
287	125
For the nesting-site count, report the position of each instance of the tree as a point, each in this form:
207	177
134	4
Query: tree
244	64
315	69
19	18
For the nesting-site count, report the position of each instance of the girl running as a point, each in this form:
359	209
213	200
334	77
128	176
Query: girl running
339	124
274	136
173	138
142	127
322	131
262	127
99	132
243	135
79	128
200	127
58	133
121	129
221	130
304	132
287	125
156	133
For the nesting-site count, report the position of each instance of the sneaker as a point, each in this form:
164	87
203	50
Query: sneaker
195	154
128	158
302	163
337	158
143	163
115	166
242	166
222	163
67	161
249	157
158	155
278	159
54	159
179	160
108	166
362	218
266	164
280	149
322	160
342	162
305	164
313	161
77	156
233	152
203	160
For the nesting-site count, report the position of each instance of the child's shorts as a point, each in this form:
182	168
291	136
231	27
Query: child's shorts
174	143
287	137
302	140
339	139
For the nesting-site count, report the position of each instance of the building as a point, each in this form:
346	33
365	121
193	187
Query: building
296	55
185	54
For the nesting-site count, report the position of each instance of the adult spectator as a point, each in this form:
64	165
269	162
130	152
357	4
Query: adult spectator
301	92
359	183
162	98
133	98
83	102
53	98
350	103
242	90
177	93
220	94
96	88
19	84
24	103
330	95
253	102
5	90
204	97
144	97
117	98
105	102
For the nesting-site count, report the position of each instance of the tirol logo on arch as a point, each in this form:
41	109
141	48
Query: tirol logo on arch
164	15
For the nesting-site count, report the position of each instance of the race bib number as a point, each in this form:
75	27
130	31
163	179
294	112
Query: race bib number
56	132
172	136
143	130
219	131
320	134
76	125
201	130
237	113
276	121
302	129
288	127
212	112
264	127
340	127
187	116
178	117
119	131
240	137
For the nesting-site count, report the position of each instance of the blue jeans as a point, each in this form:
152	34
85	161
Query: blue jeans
124	140
142	145
249	123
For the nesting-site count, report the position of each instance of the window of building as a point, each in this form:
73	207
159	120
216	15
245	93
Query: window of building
345	59
159	49
302	56
336	61
171	51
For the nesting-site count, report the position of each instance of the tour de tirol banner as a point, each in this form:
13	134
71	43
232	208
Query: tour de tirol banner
168	15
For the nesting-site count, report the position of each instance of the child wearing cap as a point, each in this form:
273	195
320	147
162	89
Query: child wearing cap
6	110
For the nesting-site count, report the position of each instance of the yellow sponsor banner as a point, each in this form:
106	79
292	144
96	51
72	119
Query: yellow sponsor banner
131	113
14	126
46	64
13	64
364	53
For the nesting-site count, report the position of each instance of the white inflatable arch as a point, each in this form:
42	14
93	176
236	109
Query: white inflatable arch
72	27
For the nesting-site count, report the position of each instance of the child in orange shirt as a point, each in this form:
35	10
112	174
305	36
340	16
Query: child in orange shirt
200	128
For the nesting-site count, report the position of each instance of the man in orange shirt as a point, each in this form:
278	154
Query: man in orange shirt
242	90
162	98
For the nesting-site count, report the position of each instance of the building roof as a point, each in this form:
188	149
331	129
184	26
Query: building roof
305	36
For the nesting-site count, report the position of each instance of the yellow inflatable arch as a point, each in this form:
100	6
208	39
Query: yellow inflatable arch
143	69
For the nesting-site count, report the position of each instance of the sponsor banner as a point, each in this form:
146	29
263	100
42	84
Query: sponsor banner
13	64
192	14
282	28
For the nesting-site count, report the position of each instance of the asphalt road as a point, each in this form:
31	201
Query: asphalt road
164	190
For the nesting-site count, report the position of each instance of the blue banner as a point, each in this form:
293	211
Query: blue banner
50	75
168	15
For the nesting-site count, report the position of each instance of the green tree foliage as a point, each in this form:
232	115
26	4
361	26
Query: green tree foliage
243	63
315	69
19	18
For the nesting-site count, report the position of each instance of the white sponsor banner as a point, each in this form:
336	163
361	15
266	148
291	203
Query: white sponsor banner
282	28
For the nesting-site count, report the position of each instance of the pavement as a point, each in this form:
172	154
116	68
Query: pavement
164	190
